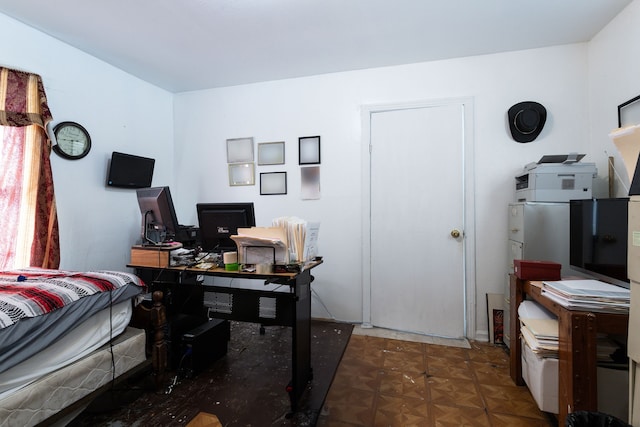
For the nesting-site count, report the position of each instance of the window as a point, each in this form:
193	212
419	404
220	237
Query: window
29	222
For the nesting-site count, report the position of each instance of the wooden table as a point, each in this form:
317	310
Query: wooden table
577	352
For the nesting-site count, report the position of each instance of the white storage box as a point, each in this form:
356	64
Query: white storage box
541	376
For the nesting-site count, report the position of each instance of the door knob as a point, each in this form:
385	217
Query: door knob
455	233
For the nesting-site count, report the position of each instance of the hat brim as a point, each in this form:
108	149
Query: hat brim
520	134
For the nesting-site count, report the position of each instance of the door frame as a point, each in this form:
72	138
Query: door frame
468	191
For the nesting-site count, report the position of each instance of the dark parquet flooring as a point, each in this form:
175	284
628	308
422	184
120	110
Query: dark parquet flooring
358	381
247	387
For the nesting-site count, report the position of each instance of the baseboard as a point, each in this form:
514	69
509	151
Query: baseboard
482	336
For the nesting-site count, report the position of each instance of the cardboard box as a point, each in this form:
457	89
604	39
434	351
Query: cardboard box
536	270
204	419
150	256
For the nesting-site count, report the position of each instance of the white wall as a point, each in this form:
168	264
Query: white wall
614	77
122	113
329	105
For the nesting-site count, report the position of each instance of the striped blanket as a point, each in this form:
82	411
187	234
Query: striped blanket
34	292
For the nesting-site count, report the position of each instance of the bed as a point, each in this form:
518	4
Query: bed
65	335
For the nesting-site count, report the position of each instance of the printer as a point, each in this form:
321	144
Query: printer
556	178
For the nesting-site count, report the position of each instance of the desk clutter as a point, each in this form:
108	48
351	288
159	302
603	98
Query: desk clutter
288	246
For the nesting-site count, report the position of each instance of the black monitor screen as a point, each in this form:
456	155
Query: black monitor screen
598	238
158	214
129	171
219	221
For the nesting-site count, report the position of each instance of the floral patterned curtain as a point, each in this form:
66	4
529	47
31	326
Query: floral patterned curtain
28	218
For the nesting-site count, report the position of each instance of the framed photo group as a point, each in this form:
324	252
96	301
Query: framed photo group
241	164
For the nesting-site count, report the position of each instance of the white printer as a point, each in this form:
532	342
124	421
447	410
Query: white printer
556	178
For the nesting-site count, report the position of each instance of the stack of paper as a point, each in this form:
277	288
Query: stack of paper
302	237
538	329
590	295
541	335
261	245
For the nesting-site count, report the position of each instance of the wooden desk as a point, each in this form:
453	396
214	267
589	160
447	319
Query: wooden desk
577	368
292	308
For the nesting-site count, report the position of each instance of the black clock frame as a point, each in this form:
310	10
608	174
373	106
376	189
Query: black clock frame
60	151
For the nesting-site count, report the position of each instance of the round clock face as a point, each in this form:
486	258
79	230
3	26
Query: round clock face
72	140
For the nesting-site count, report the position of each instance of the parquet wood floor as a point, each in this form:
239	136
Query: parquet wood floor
385	382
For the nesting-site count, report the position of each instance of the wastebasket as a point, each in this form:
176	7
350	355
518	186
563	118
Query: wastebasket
593	419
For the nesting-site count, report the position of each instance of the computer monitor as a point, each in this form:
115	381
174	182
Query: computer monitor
219	221
159	220
598	235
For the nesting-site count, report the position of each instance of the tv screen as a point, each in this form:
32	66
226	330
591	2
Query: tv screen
129	171
219	221
159	220
598	238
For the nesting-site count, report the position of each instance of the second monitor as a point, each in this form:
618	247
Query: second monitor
219	221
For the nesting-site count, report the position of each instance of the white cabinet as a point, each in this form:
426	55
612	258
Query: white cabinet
537	231
633	344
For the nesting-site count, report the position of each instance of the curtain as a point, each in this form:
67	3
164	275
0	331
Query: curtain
28	218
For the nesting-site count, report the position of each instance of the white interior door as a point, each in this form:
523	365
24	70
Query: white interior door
417	200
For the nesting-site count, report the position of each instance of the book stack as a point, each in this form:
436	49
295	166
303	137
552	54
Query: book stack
539	329
541	335
588	295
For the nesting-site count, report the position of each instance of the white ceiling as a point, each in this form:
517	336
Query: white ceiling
184	45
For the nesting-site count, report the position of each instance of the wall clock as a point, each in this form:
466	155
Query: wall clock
72	140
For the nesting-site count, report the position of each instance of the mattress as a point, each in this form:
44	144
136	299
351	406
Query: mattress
80	341
48	395
27	336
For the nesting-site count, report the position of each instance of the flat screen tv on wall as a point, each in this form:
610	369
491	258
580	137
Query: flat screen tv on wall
129	171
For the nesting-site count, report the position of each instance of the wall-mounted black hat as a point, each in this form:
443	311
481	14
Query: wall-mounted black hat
526	120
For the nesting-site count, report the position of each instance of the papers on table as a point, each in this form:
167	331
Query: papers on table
302	237
290	240
591	295
539	327
262	245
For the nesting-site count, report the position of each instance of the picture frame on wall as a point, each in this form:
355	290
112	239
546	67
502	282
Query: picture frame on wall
309	150
240	150
241	174
310	182
271	153
273	183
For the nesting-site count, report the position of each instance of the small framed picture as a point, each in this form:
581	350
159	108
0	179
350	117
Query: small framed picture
240	150
271	153
273	183
310	184
309	150
241	174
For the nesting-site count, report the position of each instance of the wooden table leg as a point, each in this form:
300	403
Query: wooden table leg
577	380
515	347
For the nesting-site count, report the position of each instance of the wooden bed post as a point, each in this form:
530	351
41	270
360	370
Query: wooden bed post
159	348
